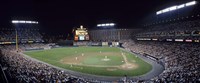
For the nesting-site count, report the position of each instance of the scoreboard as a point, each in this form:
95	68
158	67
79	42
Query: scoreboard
81	34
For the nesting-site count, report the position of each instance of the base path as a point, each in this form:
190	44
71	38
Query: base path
125	59
127	65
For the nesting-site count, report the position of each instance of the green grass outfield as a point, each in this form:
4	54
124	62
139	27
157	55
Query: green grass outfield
90	60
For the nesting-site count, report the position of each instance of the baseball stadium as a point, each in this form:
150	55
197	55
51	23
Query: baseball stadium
70	42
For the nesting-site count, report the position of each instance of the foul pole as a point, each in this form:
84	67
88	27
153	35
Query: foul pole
16	40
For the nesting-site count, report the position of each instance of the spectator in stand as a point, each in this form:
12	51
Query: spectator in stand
181	60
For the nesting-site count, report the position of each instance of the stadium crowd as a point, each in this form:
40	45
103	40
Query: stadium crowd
9	35
24	70
181	60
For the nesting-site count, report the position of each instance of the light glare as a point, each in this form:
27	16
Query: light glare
103	24
159	12
24	22
190	3
165	10
15	21
172	8
106	25
181	6
28	21
176	7
99	25
112	24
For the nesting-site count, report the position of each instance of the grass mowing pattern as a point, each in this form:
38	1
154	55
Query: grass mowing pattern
93	57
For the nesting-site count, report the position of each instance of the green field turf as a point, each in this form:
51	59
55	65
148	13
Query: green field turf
92	60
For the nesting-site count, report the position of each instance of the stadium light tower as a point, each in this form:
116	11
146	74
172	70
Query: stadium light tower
16	40
15	22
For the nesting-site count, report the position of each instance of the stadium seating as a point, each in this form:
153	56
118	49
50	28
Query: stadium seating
24	35
181	59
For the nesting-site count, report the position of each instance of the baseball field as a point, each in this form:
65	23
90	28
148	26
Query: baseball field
101	61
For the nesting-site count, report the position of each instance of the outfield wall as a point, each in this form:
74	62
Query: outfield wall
87	43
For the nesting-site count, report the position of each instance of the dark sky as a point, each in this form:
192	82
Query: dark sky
62	16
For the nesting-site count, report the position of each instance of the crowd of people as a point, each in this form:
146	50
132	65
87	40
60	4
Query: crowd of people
181	60
24	35
24	70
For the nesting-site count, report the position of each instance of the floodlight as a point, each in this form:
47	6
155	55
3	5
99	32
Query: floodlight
22	21
165	10
33	22
190	3
181	6
173	8
103	24
107	24
112	24
15	21
28	21
159	12
99	25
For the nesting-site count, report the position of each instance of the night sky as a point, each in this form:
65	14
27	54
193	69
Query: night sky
62	16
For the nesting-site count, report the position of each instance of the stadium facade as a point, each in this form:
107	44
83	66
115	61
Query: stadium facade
112	34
